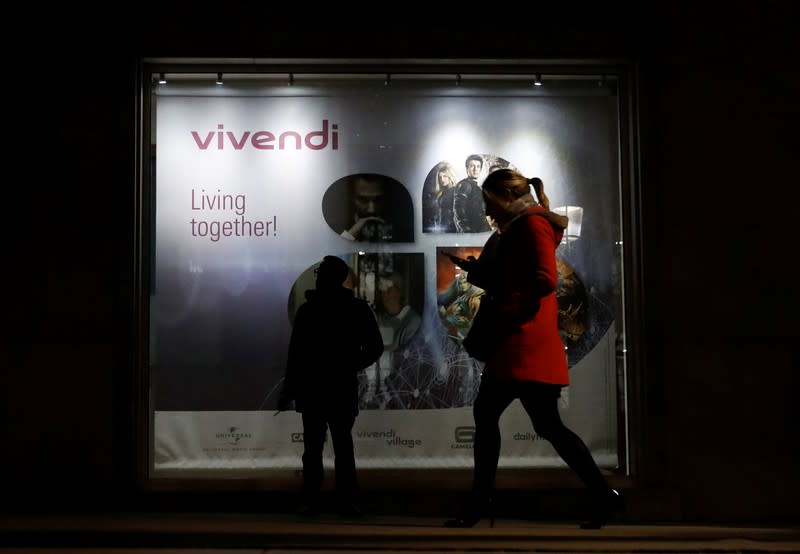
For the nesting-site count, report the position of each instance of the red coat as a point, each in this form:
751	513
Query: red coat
518	269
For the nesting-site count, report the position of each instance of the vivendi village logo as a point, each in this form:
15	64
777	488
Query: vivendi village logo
390	437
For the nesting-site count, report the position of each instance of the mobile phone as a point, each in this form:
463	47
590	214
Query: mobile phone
453	258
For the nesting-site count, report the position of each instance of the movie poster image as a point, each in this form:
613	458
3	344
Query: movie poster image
451	194
457	299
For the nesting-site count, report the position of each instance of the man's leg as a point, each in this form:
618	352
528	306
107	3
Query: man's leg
345	463
314	430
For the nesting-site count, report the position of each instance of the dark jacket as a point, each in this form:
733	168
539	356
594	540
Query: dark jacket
335	335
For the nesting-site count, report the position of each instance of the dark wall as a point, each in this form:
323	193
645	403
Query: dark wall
718	113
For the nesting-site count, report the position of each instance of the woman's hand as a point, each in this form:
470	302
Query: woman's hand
468	264
465	264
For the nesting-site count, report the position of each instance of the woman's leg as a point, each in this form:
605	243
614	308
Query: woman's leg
493	398
541	402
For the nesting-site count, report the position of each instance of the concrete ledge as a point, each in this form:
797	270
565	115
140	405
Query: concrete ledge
376	534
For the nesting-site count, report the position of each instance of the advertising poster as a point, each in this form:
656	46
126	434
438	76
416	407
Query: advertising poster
252	189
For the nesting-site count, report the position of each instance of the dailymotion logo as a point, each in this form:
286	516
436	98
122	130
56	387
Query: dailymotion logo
527	436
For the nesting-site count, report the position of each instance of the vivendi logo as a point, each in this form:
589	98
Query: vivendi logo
221	139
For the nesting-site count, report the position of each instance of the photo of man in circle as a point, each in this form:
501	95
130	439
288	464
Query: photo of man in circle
369	207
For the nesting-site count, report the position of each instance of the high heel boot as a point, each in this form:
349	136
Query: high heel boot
604	508
473	514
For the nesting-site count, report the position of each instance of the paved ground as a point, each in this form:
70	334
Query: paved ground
279	533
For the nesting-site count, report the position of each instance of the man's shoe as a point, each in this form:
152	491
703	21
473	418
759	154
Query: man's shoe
349	509
308	510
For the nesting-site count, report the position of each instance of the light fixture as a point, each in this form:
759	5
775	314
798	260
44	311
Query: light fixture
575	216
219	78
537	80
162	79
388	80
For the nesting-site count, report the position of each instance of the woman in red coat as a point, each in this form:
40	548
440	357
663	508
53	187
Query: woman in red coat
517	269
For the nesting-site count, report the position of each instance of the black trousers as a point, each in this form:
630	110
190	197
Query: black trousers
540	401
315	428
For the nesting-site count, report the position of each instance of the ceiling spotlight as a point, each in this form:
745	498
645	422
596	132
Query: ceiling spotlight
219	78
162	80
537	80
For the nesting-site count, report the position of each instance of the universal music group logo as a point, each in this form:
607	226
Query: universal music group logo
232	436
233	439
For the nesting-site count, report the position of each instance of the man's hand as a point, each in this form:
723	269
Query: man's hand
285	401
359	225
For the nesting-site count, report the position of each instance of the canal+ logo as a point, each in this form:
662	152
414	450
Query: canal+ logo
463	437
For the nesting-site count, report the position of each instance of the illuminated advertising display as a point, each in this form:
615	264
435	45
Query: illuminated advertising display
252	187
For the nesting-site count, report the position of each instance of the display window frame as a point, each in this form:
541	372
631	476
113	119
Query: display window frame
564	78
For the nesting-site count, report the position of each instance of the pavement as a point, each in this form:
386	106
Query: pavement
249	533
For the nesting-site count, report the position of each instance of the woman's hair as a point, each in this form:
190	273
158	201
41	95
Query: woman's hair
504	182
447	169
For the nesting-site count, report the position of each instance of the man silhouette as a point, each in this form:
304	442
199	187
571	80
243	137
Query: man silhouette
334	337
